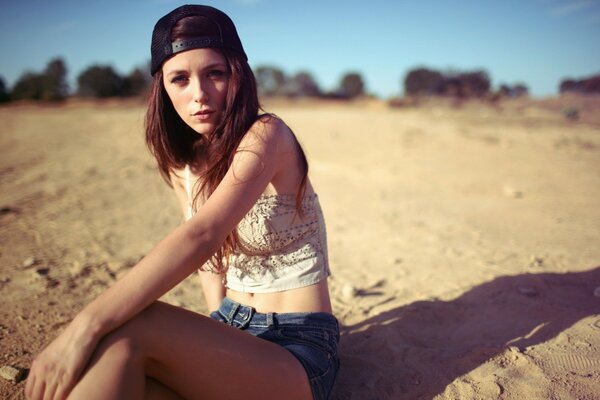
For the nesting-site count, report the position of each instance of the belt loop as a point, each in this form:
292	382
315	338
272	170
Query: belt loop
232	312
271	322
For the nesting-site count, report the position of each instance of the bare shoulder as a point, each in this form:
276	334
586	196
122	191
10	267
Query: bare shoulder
271	132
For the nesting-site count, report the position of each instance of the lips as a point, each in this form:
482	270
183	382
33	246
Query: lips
203	115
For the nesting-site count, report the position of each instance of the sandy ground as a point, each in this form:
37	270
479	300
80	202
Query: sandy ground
464	242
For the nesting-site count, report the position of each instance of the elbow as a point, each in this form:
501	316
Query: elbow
206	238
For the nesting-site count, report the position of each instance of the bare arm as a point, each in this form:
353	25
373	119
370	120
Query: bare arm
213	288
212	283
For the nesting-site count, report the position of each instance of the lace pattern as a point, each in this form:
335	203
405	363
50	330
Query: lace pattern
274	224
276	244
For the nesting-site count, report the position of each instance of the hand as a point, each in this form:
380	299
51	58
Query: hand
55	371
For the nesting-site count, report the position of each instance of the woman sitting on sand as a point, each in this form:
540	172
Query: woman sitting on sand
255	226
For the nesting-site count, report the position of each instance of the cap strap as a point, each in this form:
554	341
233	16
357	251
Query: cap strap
196	43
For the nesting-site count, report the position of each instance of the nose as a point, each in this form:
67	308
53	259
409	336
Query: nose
200	94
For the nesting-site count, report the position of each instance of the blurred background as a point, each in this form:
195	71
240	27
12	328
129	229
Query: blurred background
334	49
461	183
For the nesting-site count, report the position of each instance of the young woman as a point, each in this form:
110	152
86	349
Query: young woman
254	230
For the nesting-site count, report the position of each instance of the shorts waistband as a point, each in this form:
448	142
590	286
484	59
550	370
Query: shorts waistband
242	316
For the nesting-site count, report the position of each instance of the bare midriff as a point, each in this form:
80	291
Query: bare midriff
313	298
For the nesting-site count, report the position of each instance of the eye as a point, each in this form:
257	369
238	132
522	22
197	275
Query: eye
179	79
217	74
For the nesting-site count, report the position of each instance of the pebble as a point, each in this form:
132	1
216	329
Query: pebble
510	191
28	262
7	210
536	262
348	291
13	374
513	353
597	291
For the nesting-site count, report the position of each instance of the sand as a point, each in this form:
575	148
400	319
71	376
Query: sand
464	241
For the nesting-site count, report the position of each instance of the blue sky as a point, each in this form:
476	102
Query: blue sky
538	42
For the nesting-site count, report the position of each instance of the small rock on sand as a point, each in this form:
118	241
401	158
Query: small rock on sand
536	262
348	291
13	374
28	262
509	191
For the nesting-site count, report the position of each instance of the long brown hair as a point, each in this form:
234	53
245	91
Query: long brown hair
174	144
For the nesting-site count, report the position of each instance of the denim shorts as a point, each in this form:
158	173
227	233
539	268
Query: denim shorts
311	337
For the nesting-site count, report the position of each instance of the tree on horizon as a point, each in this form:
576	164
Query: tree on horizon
351	86
50	85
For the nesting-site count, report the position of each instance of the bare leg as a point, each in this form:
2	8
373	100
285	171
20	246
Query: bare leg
193	356
157	391
116	371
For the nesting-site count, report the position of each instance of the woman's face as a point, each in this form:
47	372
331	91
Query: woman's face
196	82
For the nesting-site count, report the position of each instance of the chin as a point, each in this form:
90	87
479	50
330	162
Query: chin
202	130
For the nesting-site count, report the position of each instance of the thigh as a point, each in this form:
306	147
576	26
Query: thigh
157	391
198	357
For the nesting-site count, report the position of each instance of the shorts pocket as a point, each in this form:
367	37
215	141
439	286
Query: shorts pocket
315	348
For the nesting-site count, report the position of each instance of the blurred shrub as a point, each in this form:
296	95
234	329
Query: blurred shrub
424	81
517	90
270	81
4	97
136	83
472	84
402	102
55	86
571	113
51	85
302	85
100	81
586	85
351	86
28	87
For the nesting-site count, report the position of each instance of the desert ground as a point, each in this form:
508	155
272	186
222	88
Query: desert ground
464	240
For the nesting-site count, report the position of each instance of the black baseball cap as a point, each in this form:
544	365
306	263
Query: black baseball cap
162	47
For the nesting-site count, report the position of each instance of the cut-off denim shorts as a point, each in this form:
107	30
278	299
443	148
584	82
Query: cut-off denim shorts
311	337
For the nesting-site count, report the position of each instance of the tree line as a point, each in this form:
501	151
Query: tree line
273	81
102	81
585	85
97	81
458	84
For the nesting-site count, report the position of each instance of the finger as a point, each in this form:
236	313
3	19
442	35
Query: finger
51	392
38	390
29	385
63	390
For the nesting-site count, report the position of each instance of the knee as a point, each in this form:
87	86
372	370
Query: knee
130	340
120	347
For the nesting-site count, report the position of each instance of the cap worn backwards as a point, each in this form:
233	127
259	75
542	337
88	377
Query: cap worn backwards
162	47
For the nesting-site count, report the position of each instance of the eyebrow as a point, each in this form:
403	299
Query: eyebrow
185	71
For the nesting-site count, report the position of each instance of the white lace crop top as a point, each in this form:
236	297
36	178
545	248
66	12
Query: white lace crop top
279	250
